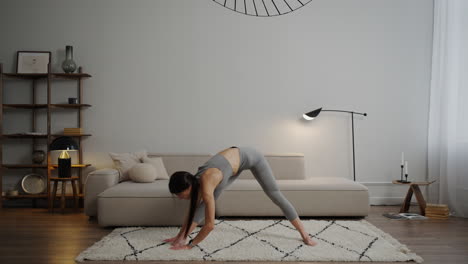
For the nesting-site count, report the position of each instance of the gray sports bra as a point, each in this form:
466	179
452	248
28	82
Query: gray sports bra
220	162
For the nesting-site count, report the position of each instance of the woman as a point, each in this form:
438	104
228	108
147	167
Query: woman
203	188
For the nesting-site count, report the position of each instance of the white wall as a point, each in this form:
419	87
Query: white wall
192	76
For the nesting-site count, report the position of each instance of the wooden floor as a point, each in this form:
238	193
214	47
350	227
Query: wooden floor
35	236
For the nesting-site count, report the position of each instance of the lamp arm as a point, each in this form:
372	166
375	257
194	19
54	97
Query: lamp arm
351	112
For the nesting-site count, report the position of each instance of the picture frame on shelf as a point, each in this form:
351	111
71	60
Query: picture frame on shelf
33	61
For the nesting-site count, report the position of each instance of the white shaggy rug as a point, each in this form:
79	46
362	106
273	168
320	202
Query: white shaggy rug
256	240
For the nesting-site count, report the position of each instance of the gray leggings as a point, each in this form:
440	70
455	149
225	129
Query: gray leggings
253	160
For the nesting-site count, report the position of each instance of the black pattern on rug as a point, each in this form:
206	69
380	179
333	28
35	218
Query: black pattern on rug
333	222
136	252
209	255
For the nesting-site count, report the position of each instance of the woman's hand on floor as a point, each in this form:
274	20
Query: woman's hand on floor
180	247
175	241
171	239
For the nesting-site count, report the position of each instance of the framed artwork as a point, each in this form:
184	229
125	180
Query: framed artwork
33	61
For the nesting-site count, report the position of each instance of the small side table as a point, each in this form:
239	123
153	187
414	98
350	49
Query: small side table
55	181
413	187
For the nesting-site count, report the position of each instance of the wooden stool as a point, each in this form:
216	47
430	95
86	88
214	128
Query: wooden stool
55	181
413	187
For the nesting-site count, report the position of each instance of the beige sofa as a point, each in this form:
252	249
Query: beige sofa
151	204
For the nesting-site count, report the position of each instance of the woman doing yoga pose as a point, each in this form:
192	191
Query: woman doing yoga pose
203	188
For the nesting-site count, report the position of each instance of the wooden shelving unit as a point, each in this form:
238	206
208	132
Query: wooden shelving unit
49	108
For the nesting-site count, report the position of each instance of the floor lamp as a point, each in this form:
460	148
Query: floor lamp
312	114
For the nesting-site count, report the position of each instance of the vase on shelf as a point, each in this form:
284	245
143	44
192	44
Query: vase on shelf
38	156
69	65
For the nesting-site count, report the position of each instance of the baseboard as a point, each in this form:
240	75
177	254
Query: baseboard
377	183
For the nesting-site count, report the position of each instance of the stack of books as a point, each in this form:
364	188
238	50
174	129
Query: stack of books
437	211
73	131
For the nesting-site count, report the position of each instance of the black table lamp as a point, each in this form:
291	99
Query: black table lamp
312	114
64	144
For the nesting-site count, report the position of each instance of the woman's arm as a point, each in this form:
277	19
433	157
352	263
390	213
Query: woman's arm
193	225
208	198
184	225
179	239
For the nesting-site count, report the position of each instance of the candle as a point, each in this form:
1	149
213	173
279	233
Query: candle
402	158
406	167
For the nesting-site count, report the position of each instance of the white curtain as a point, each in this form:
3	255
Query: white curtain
448	110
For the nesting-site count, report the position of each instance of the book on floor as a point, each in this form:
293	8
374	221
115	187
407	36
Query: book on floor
405	216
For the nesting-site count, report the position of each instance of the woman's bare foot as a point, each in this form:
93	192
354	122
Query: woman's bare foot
308	241
305	236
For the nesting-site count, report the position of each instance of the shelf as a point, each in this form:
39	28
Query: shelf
64	179
73	76
44	106
39	196
24	136
31	76
67	196
73	165
24	166
43	135
24	106
35	76
71	135
40	166
26	196
69	106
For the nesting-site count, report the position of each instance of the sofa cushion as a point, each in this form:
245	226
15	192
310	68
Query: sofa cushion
318	196
142	172
312	184
125	161
157	163
131	189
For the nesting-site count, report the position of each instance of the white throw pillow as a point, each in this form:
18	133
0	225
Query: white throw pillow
157	162
142	172
125	161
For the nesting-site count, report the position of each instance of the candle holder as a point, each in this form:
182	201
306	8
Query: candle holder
401	176
406	178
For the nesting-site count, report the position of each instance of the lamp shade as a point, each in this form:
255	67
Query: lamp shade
64	143
312	114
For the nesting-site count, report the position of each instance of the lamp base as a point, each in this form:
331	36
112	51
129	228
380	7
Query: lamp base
64	168
403	181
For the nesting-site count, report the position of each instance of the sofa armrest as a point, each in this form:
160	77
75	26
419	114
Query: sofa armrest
97	182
